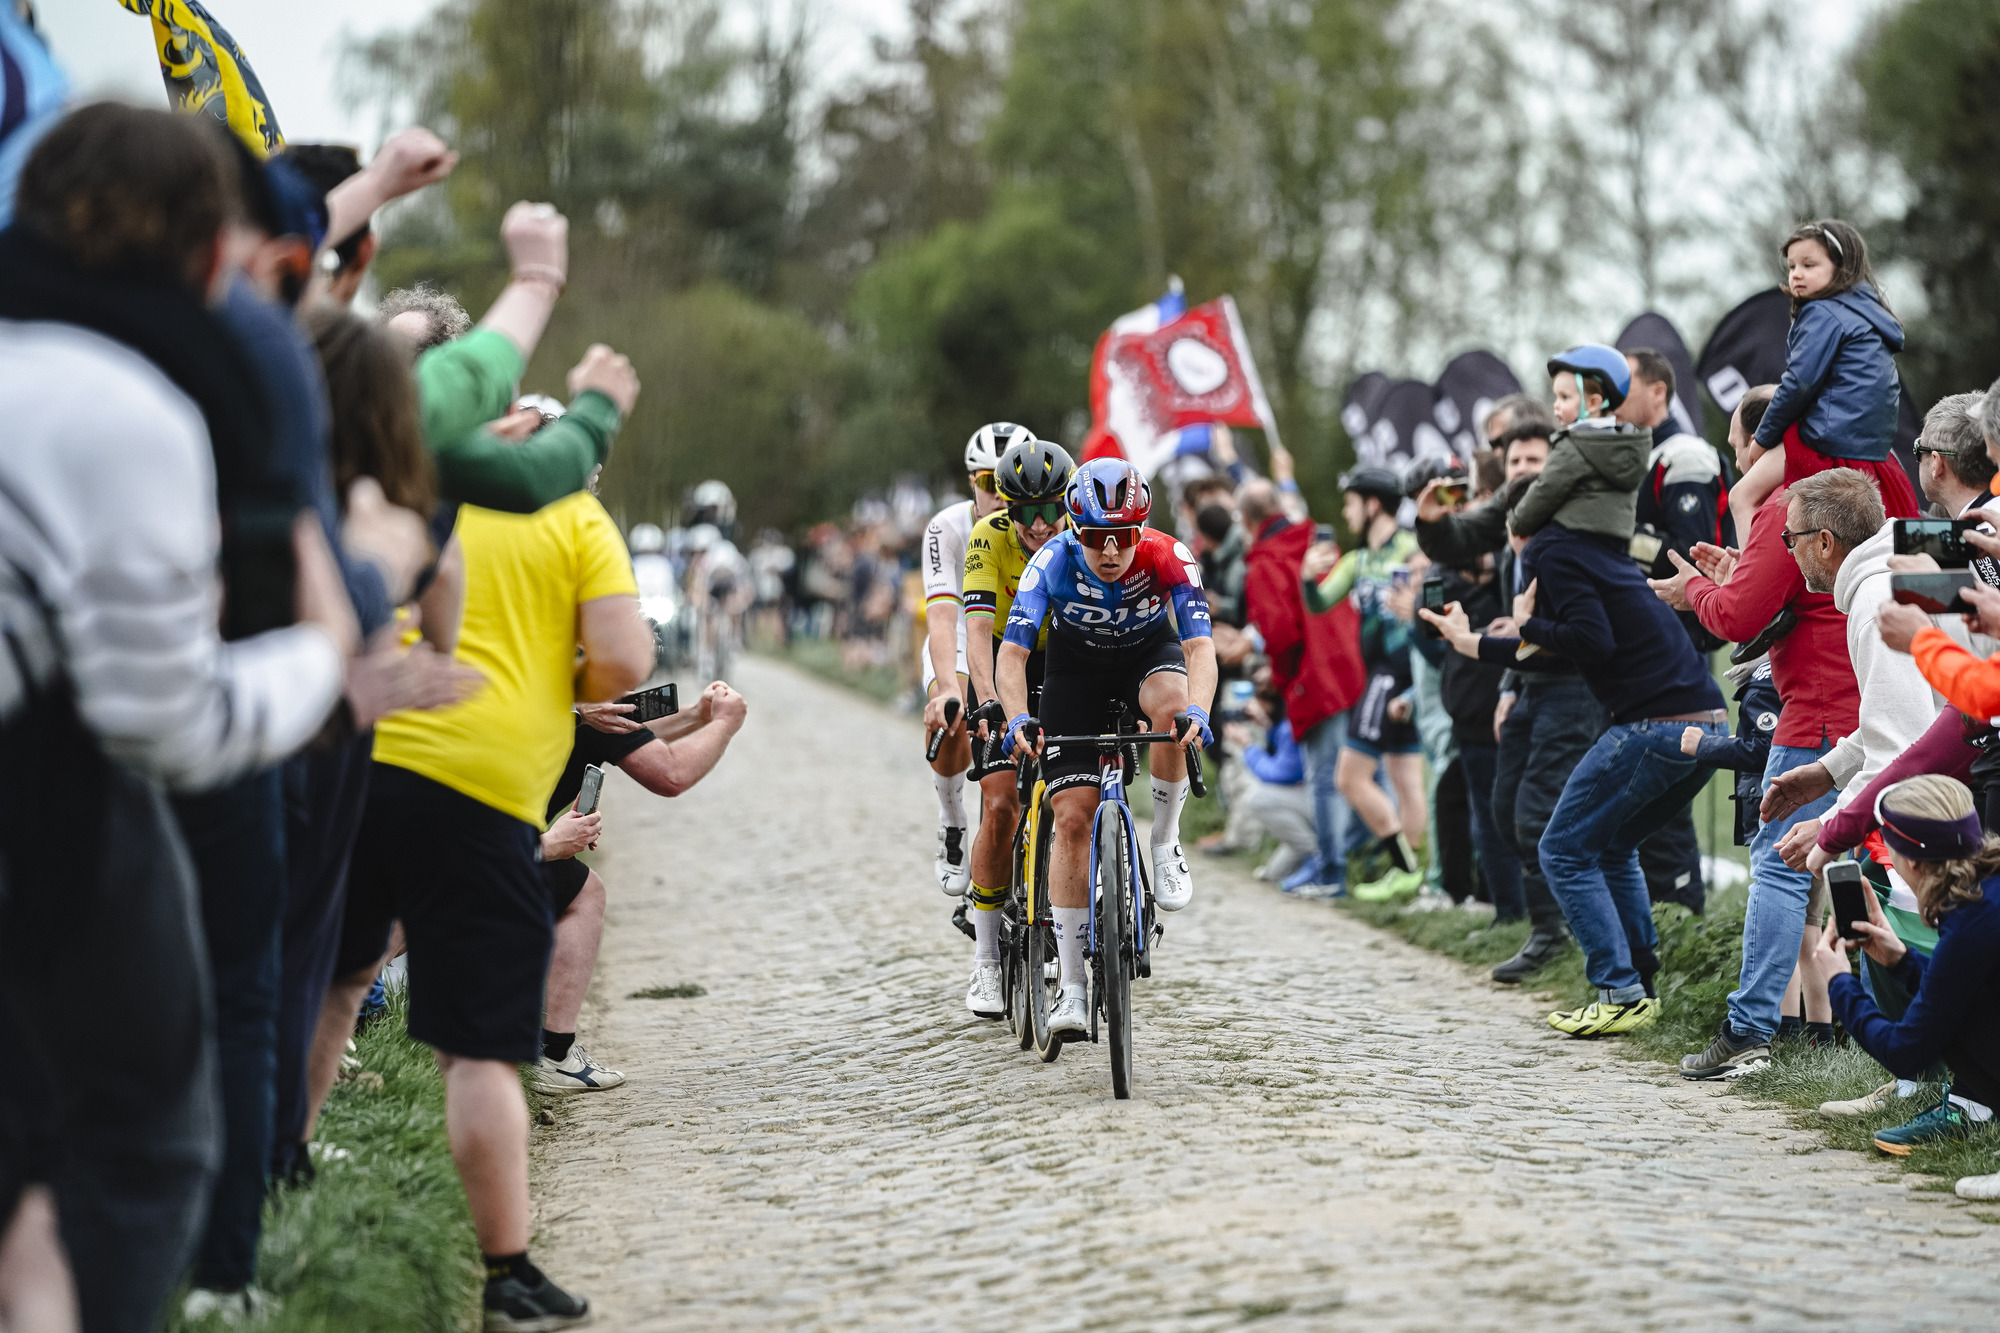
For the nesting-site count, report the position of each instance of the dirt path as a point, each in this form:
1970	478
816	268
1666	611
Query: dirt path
1326	1120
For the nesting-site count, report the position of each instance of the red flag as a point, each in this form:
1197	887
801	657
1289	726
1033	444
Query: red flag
1146	384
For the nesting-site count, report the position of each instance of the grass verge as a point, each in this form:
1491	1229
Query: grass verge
823	658
382	1239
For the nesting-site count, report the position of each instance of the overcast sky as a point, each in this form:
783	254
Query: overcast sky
294	45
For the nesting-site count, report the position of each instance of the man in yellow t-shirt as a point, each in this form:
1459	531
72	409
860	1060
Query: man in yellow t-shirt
450	840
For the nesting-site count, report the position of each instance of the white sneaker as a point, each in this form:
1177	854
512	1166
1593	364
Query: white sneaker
573	1073
1070	1013
953	866
1983	1188
982	996
1868	1105
229	1308
1172	886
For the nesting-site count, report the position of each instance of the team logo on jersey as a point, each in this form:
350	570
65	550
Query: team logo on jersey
1031	578
1767	721
1689	503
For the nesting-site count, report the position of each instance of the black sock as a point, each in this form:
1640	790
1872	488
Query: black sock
1789	1027
500	1267
1393	847
555	1045
1820	1034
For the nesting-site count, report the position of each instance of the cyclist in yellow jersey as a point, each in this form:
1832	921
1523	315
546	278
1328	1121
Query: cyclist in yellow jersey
1032	476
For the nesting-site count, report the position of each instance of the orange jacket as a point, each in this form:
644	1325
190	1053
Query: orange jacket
1969	684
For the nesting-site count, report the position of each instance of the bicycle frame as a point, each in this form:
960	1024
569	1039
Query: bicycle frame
1111	771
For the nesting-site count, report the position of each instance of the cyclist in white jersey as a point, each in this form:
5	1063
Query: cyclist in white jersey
943	657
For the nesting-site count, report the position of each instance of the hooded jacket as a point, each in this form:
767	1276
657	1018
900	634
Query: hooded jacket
1315	659
1839	385
1897	704
1591	482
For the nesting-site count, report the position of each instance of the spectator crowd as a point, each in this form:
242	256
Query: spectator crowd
318	646
1501	688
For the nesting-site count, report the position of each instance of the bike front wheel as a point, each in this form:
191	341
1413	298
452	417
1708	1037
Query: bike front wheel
1114	943
1044	985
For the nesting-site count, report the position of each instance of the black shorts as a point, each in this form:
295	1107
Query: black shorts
465	881
1370	729
564	880
986	757
1078	693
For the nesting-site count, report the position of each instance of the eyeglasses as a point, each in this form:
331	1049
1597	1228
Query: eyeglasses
1919	449
986	481
1791	539
1050	512
1099	538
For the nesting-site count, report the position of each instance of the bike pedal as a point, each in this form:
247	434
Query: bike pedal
1145	966
958	919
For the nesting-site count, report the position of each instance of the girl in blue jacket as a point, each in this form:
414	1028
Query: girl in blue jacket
1839	387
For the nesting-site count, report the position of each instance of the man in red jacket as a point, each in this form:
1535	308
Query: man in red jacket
1315	659
1736	596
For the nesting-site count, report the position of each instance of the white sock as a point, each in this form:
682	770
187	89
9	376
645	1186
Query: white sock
1905	1088
1168	798
985	936
1072	932
951	798
1978	1112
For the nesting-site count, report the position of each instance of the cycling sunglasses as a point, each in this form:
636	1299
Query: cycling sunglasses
1050	512
986	481
1099	538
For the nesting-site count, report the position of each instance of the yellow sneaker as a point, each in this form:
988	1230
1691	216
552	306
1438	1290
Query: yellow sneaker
1600	1018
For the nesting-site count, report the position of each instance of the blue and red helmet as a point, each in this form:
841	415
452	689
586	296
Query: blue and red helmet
1108	493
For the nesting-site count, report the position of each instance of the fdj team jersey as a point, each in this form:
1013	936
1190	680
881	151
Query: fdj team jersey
1058	586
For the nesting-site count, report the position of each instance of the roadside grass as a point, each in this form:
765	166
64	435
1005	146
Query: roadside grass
822	657
382	1239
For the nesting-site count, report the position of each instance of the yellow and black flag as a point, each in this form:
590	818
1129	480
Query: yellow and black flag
206	71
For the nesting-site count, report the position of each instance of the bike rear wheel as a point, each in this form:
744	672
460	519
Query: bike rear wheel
1114	943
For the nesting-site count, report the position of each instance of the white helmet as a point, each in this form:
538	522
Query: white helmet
646	539
711	502
983	450
703	537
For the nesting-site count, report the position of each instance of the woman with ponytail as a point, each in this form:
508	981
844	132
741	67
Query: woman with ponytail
1936	844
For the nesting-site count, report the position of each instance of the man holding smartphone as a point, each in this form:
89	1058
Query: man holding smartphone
666	756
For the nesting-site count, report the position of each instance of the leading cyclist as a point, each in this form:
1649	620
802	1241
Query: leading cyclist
1032	477
1116	595
943	657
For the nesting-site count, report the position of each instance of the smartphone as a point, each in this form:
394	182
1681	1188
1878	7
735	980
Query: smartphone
1450	493
1942	539
593	784
1935	593
1843	881
1433	600
1324	533
663	701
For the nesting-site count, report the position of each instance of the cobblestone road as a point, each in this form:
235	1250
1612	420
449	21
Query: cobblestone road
1330	1129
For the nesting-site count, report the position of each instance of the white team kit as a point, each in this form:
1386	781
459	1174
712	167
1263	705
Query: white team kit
943	563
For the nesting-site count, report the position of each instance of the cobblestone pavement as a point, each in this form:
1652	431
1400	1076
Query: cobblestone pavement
1330	1129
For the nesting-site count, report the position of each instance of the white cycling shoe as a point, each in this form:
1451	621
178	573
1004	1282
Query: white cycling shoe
1071	1014
952	865
1172	885
982	994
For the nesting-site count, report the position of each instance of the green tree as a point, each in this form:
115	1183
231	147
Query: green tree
1931	73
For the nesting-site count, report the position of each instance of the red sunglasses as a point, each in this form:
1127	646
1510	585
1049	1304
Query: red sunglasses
1099	538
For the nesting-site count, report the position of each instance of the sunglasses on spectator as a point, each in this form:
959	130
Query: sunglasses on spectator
1791	539
1099	538
1050	512
986	481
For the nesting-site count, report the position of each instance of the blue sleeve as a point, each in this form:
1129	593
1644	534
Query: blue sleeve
1809	349
1569	614
1745	754
1031	597
1947	997
1190	612
1502	652
1688	511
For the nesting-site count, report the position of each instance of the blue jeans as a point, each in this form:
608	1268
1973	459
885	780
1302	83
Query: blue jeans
1339	832
1497	861
1775	919
1633	780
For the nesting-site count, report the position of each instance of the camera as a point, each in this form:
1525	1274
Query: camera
1432	599
1938	594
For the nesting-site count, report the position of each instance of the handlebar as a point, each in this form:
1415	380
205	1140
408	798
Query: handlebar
1111	741
951	707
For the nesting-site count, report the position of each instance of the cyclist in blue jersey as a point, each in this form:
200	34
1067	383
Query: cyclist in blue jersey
1128	622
